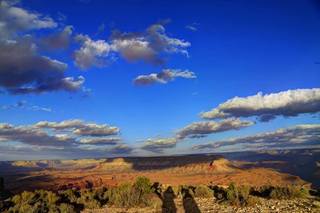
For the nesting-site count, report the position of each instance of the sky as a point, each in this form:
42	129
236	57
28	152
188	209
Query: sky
90	78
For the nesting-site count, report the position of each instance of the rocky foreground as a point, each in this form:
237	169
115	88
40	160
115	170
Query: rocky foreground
208	205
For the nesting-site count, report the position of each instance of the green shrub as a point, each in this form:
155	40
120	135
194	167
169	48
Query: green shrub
143	185
234	195
288	192
127	195
121	196
203	191
39	201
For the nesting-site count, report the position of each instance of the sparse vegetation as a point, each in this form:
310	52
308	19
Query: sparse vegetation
203	191
137	194
289	192
277	192
141	193
235	195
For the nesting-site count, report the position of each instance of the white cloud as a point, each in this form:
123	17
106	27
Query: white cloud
148	45
269	106
91	53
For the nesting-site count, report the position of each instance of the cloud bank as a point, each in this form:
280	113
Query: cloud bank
297	136
267	107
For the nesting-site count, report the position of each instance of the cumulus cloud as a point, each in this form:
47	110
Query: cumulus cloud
58	40
148	45
163	77
14	19
23	71
203	128
91	52
267	107
297	136
134	48
159	145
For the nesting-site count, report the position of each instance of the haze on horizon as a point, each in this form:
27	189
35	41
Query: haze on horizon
90	79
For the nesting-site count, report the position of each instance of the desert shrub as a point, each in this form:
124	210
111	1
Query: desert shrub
24	198
66	208
288	192
235	195
243	193
127	195
278	192
101	195
203	191
121	196
143	185
39	201
69	195
48	197
89	199
232	194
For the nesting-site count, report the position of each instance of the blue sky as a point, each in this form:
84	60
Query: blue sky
237	48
